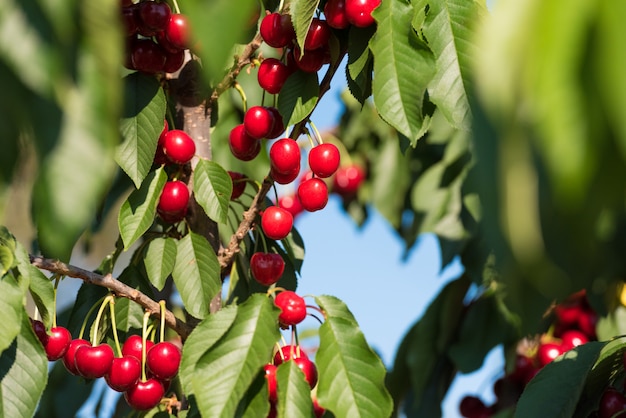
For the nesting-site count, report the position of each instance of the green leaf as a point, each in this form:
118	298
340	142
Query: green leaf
129	314
159	260
256	403
11	306
555	390
223	375
6	260
212	189
206	334
360	63
302	12
294	393
351	376
141	125
196	274
403	69
298	97
138	211
88	295
24	372
448	28
40	287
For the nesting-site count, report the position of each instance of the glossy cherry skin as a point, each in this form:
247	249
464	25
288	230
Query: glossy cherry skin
163	360
130	19
239	184
258	122
277	30
291	203
611	402
154	15
548	352
308	368
279	126
285	155
40	331
276	222
284	178
573	338
174	197
243	146
324	160
159	155
318	35
173	61
472	406
124	373
133	347
318	410
58	342
287	353
359	12
144	395
348	179
335	12
313	194
69	359
312	60
267	268
272	75
93	362
292	307
270	375
177	31
146	56
178	147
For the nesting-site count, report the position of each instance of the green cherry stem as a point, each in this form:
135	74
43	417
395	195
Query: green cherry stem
57	279
93	308
96	324
118	348
176	8
144	337
318	136
162	324
244	99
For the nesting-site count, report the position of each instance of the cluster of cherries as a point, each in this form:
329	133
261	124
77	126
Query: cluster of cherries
293	311
156	38
143	376
574	324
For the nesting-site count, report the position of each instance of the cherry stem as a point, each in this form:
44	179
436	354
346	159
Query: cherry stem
316	308
144	338
114	325
244	99
96	324
162	328
316	317
318	136
84	325
176	8
57	278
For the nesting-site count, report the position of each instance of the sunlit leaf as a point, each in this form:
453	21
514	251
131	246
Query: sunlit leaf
212	189
294	393
298	97
159	260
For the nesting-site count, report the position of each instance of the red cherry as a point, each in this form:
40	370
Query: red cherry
270	375
277	30
524	370
318	35
154	15
359	12
587	323
292	306
239	184
276	222
133	347
279	126
93	362
548	352
272	75
347	180
130	19
291	204
318	410
284	178
124	373
324	160
177	31
312	60
611	402
472	406
573	338
288	352
242	145
146	56
313	194
69	359
174	197
144	395
335	12
159	155
40	331
267	268
58	342
308	368
163	360
173	61
258	122
178	147
285	156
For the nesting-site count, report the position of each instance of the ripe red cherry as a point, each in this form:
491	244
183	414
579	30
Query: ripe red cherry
291	203
573	338
548	352
313	194
267	268
129	19
154	15
277	30
173	61
285	156
324	160
318	410
292	306
177	31
146	56
144	395
335	12
258	122
58	342
174	197
288	352
276	222
359	12
239	184
311	61
472	406
133	347
284	178
93	362
40	331
69	359
308	368
318	35
272	75
611	402
124	373
163	360
242	145
279	126
348	179
178	147
270	375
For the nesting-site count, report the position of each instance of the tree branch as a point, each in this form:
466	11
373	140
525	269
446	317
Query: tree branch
120	289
